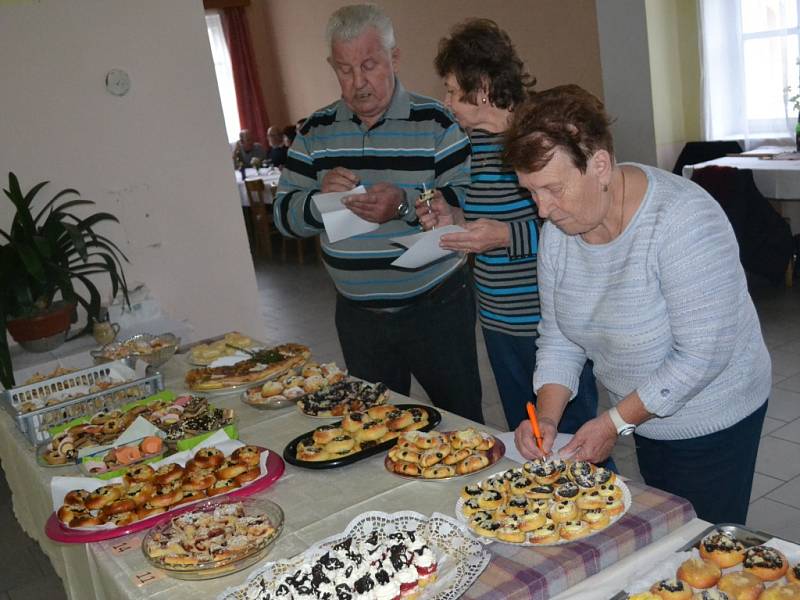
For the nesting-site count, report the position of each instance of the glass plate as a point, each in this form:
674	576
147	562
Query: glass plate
494	454
211	570
461	559
626	501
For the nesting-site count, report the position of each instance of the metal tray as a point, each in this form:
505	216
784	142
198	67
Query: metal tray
748	537
290	452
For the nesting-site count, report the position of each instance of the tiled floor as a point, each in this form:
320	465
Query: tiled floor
297	305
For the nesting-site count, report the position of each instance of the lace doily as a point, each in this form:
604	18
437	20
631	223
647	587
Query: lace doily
461	558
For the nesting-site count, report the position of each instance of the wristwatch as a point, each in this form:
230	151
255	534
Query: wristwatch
402	209
623	427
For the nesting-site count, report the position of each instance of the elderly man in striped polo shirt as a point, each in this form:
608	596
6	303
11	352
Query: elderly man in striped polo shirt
392	322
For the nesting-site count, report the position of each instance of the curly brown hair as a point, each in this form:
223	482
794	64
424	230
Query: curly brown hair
479	53
566	117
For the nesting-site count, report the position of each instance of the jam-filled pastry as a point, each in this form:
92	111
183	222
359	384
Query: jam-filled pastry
793	574
438	472
768	564
711	595
546	534
672	589
699	573
567	491
741	585
781	592
722	549
572	530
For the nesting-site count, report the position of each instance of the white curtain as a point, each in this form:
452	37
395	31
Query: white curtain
749	50
224	71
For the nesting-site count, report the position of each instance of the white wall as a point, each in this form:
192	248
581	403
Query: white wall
158	157
624	55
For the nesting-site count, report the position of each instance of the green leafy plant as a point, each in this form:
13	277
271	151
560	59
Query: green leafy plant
52	254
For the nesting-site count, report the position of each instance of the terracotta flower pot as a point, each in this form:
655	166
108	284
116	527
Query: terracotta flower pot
44	331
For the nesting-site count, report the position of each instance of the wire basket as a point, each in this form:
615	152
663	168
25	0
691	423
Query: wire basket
35	425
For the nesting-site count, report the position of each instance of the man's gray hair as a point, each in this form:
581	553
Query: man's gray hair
349	22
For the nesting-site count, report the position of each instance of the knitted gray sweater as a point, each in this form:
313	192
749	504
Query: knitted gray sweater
663	309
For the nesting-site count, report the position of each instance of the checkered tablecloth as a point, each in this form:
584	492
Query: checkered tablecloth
527	572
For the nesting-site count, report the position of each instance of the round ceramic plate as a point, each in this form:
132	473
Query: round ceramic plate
494	454
626	501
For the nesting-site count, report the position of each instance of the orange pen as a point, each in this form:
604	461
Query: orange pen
535	425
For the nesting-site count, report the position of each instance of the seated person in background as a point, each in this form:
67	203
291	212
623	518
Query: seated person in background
277	149
289	133
247	149
639	271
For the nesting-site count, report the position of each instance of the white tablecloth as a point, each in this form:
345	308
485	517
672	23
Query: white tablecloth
317	504
269	176
775	179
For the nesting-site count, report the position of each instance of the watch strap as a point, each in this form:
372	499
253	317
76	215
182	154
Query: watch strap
620	424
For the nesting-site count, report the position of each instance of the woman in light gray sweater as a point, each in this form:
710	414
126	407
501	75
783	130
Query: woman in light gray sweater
639	271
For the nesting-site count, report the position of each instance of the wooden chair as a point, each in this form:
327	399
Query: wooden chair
261	211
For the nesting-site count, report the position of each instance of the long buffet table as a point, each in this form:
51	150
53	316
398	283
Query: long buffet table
320	503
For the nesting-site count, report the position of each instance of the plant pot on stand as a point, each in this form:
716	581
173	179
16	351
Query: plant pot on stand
45	330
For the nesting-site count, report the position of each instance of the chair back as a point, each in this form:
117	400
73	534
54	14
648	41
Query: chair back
697	152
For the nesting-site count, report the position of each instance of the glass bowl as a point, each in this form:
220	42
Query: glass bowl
237	561
138	346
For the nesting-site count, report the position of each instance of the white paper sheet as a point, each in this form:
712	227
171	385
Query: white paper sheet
340	222
59	486
423	248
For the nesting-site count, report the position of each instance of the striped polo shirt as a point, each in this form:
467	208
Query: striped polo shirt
505	278
416	142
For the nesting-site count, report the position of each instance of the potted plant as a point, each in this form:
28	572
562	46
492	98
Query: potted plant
46	261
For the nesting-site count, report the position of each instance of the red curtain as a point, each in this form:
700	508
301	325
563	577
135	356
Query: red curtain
252	114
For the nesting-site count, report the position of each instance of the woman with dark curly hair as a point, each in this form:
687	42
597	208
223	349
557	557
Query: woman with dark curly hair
484	81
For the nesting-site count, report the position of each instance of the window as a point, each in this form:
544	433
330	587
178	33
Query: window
750	52
222	66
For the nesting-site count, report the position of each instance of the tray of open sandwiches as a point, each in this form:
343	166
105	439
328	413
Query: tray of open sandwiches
89	510
262	365
724	562
438	456
543	503
359	435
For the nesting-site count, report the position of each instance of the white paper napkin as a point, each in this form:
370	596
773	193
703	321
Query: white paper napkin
423	248
340	222
59	486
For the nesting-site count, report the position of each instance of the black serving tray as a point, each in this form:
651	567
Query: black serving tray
290	452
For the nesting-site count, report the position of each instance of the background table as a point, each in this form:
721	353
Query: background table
777	180
321	503
270	177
